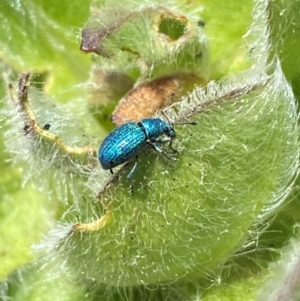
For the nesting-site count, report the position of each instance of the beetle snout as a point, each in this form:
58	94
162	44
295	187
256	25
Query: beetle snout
172	134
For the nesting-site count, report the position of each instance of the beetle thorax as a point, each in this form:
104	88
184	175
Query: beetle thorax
155	127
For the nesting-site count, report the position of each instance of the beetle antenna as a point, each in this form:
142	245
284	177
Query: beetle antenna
187	122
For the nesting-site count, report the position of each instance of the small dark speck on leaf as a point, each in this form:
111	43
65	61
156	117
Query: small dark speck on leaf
26	127
46	127
201	23
199	55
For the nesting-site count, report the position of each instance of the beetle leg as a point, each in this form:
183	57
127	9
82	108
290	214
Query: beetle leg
166	140
111	171
158	149
129	176
172	148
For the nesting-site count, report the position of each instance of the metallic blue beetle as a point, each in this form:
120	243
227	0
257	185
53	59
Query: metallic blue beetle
128	141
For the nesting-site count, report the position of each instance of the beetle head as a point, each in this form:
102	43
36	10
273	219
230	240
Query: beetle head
168	130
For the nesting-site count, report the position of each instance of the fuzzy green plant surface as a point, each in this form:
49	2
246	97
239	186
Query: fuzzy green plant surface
220	222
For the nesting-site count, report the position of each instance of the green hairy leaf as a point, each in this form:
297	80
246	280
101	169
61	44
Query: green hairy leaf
220	220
